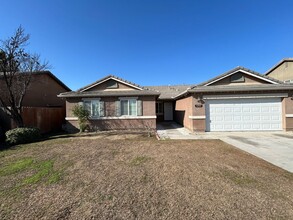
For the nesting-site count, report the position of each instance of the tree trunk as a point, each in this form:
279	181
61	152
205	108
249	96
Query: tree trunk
18	120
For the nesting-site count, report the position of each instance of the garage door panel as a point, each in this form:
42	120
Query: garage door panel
244	114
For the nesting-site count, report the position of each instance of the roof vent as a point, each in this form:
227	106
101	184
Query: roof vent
288	81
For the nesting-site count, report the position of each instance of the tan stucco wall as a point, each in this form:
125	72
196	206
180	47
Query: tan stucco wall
42	92
248	80
199	124
148	105
183	109
114	124
287	104
283	72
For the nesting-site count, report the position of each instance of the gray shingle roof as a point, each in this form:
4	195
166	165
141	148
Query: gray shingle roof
242	88
169	92
109	93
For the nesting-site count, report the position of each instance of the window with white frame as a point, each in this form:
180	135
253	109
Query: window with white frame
129	107
95	107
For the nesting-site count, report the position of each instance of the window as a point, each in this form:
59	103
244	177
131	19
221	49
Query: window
237	77
112	84
159	108
95	107
129	107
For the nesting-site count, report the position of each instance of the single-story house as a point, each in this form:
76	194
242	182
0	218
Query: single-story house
113	103
41	106
238	100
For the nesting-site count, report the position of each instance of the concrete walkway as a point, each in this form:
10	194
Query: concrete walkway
274	147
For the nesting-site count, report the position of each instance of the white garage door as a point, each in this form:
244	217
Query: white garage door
244	114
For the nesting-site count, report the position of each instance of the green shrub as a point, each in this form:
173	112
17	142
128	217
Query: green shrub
82	114
22	135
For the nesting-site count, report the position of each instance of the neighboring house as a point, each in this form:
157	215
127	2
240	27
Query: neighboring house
238	100
165	103
113	103
41	106
43	90
282	71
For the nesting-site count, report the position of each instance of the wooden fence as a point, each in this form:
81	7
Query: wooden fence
47	119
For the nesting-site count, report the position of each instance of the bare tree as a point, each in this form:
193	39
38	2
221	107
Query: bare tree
16	69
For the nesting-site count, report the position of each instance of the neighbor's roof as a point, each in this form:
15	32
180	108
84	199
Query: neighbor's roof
243	69
55	78
46	72
109	93
169	92
279	64
131	84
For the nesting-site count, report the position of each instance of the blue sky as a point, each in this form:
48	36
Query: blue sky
152	42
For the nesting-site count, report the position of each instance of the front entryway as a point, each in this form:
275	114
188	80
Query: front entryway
244	114
168	111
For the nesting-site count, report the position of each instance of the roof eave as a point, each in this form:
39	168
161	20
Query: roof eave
206	90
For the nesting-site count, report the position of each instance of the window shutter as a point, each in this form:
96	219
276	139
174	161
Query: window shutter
102	108
139	108
118	110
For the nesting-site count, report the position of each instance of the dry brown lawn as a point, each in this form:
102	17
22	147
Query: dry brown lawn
112	176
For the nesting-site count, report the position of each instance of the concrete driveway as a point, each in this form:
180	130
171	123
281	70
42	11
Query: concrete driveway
274	147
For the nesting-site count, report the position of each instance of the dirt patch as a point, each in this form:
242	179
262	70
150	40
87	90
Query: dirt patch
135	177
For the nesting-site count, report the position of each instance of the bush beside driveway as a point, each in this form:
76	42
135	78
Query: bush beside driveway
110	176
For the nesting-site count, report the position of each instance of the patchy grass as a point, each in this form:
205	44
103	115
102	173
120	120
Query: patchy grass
139	160
239	179
121	176
16	167
42	170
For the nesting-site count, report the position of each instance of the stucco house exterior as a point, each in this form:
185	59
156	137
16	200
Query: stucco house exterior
165	103
282	71
238	100
113	103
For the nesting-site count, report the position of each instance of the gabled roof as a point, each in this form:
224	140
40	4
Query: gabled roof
55	78
243	70
82	92
207	87
169	92
133	85
279	64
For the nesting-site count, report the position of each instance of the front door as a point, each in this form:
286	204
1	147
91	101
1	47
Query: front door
168	111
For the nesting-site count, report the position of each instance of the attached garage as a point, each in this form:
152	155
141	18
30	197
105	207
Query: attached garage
244	114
